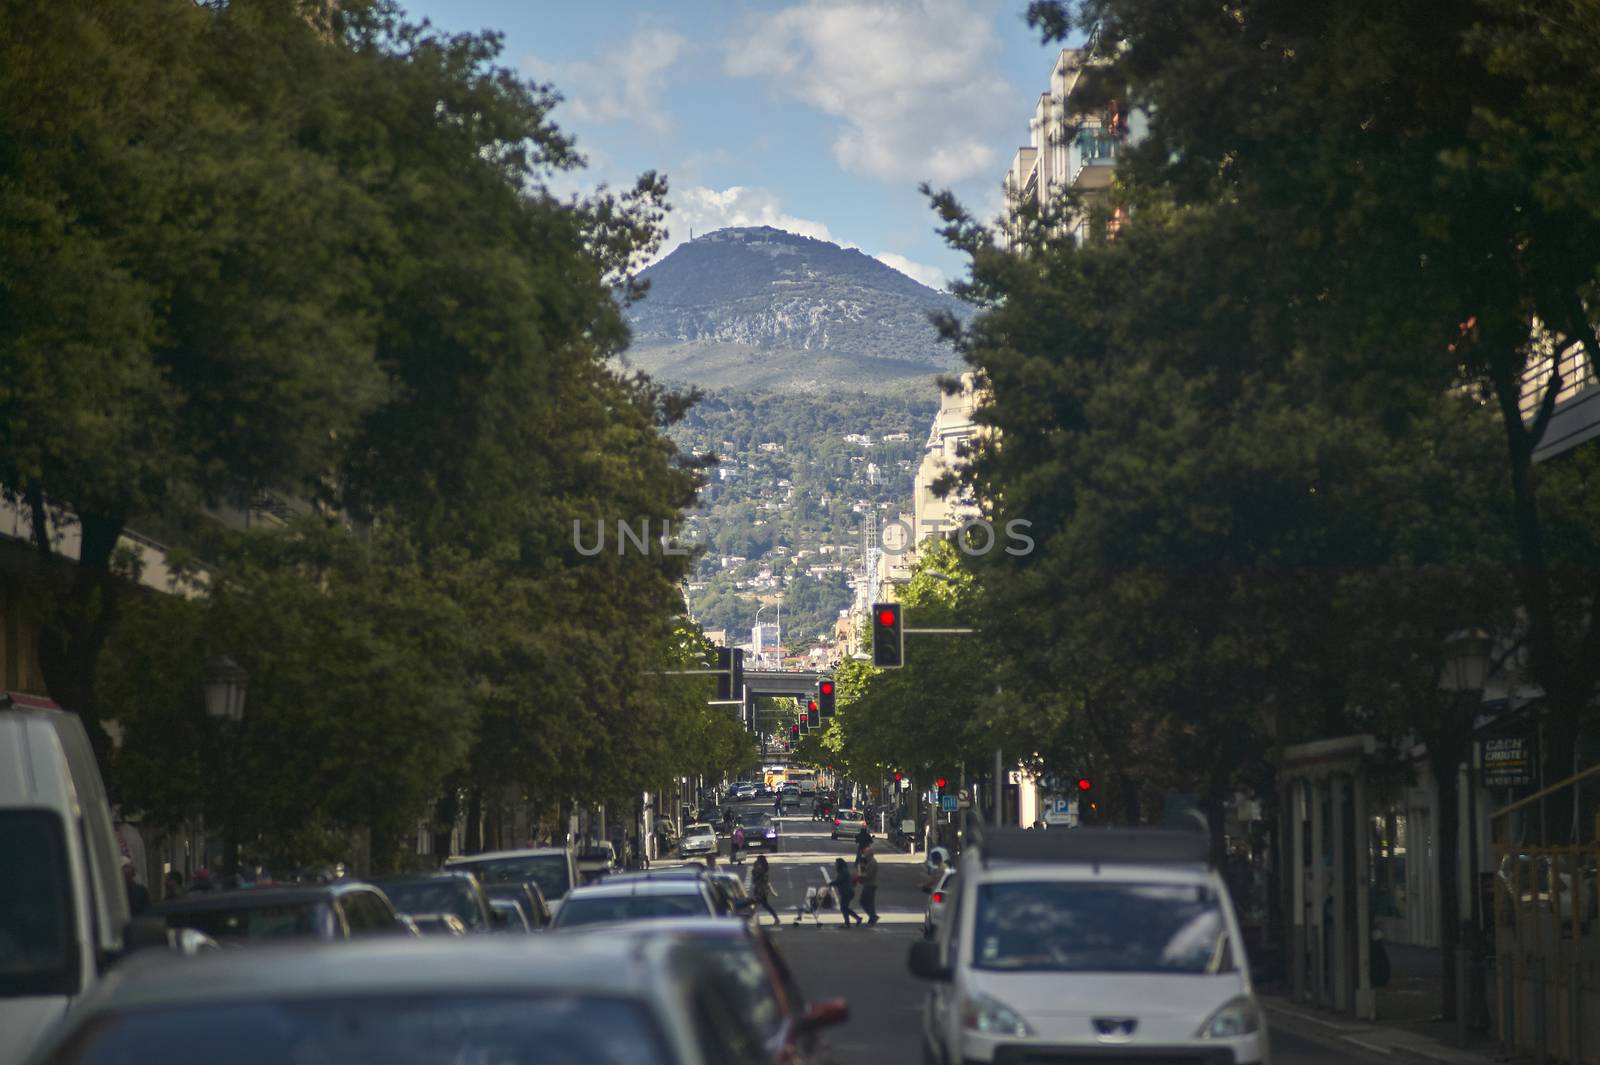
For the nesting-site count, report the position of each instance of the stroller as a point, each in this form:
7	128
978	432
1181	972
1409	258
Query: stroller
817	899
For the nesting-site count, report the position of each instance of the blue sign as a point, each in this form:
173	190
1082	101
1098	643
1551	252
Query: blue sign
948	802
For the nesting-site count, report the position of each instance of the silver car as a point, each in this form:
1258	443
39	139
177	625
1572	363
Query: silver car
556	1000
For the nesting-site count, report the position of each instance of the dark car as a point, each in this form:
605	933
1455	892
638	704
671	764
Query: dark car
342	910
749	975
760	831
456	893
528	898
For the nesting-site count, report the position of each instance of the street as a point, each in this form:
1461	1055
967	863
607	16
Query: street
867	966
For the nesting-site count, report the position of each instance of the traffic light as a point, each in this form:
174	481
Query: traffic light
730	678
825	698
888	639
794	733
812	719
897	778
939	783
1085	784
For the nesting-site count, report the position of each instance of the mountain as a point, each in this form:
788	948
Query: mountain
761	308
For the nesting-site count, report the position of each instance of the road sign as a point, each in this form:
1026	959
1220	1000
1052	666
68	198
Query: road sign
949	803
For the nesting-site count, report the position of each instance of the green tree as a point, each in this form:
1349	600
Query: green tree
187	314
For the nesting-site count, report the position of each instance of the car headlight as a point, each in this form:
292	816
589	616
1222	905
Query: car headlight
981	1013
1237	1017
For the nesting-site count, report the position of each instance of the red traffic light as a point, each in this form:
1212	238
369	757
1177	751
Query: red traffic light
1084	784
827	687
887	615
897	778
940	782
811	704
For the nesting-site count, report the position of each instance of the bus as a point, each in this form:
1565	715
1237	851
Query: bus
805	778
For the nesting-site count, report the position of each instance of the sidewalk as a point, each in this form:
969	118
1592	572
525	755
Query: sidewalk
1409	1028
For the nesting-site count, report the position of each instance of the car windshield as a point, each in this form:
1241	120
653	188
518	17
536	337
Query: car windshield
608	908
549	871
703	831
1070	926
284	920
36	948
431	1030
437	896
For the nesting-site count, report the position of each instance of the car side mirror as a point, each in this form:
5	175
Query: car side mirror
825	1014
925	963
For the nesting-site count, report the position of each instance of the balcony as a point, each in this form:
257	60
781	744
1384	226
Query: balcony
1092	157
1576	418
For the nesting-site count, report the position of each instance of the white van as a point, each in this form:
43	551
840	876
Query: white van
1088	944
63	904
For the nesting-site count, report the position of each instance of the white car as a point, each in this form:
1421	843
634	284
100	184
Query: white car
939	900
1091	941
698	839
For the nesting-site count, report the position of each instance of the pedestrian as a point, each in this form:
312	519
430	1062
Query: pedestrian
844	891
761	888
173	884
863	839
777	801
736	843
138	894
867	874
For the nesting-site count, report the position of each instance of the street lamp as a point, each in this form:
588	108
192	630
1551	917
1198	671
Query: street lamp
225	683
1465	669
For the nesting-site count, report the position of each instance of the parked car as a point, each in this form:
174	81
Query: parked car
345	909
698	839
635	898
63	902
529	899
452	891
508	916
727	903
738	960
581	998
552	868
596	860
438	924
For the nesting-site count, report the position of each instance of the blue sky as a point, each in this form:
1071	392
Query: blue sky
818	116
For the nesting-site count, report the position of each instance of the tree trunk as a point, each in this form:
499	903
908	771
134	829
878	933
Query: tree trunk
75	625
474	841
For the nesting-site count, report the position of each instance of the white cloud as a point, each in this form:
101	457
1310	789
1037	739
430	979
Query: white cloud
911	80
699	209
931	276
625	84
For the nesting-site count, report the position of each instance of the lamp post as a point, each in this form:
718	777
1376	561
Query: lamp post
226	683
1466	668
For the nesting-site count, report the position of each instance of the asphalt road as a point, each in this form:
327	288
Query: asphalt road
866	966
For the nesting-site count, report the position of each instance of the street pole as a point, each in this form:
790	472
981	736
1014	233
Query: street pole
999	787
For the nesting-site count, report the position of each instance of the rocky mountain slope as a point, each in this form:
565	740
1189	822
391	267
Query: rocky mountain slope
759	307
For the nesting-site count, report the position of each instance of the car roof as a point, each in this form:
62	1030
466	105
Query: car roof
251	898
697	825
398	965
616	888
686	927
490	856
681	872
443	875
